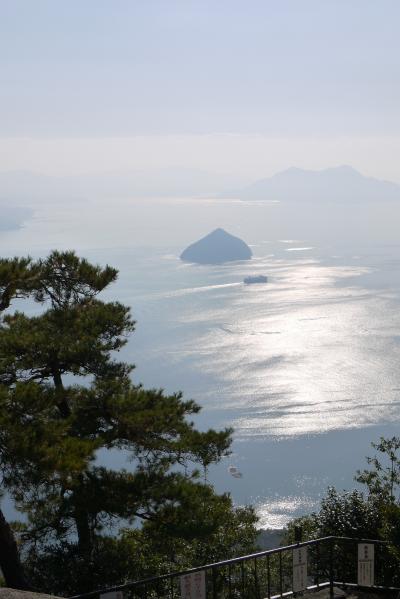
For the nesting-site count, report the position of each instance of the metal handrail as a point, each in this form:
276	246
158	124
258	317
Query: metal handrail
229	562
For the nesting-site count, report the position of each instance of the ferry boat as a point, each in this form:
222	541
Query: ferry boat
255	279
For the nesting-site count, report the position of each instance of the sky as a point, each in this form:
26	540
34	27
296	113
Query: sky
224	85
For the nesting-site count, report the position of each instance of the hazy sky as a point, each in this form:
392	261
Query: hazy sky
226	85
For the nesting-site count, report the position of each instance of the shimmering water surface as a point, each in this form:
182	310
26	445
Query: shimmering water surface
305	368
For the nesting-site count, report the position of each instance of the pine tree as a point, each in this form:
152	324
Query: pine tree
17	279
65	400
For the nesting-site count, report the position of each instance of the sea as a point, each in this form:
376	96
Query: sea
305	368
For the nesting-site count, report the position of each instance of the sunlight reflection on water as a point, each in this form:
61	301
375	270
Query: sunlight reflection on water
278	512
315	350
311	352
300	354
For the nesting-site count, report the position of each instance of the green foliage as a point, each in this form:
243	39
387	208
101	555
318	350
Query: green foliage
18	279
67	280
64	569
224	533
355	514
342	514
53	427
140	553
383	479
371	515
34	441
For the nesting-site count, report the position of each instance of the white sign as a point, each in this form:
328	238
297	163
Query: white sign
299	569
193	586
365	564
112	595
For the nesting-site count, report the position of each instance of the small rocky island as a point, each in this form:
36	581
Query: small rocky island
217	247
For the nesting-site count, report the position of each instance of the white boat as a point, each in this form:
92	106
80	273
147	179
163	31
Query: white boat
255	279
235	472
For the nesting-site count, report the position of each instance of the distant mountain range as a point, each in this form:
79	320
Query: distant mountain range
339	184
24	189
29	188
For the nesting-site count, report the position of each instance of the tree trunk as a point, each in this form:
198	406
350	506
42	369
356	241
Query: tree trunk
62	400
81	517
10	563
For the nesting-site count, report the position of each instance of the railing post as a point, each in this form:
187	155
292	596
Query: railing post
318	565
257	589
331	593
214	583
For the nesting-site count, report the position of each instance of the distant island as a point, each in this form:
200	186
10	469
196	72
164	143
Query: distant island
339	184
215	248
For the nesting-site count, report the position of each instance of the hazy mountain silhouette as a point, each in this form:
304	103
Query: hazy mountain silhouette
339	184
31	188
217	247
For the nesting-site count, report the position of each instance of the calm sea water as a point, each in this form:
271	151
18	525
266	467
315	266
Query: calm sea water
305	368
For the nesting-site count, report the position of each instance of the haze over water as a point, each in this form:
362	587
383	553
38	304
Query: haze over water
107	99
305	368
